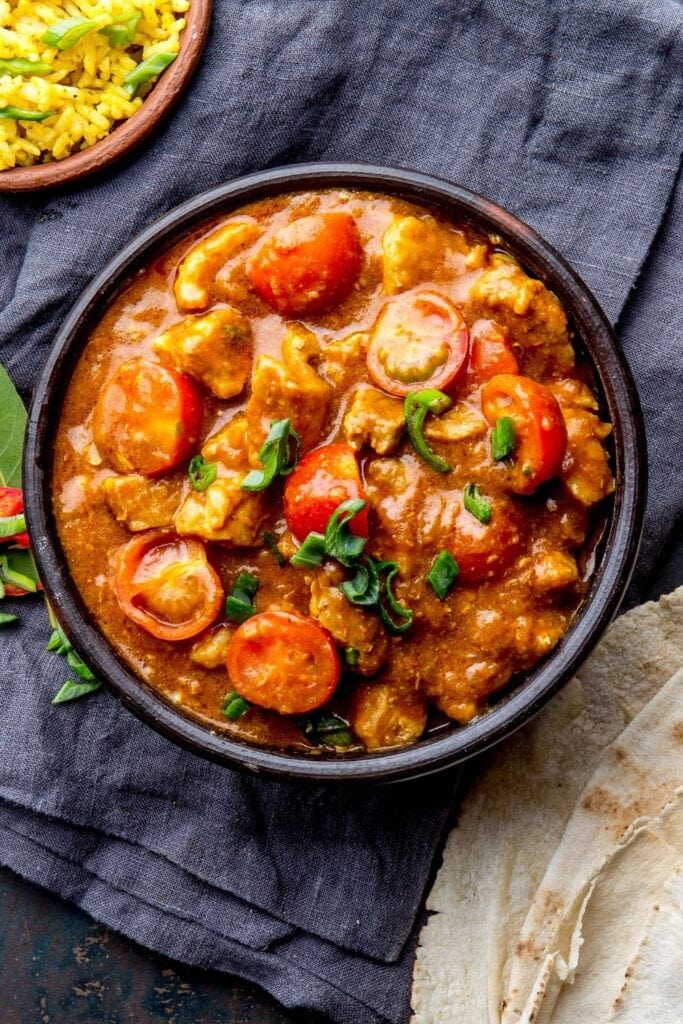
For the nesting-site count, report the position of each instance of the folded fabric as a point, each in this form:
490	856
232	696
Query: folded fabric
567	115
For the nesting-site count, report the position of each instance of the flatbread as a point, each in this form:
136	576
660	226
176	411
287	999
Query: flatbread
514	816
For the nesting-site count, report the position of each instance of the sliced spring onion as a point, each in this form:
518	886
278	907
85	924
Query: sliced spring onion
20	66
476	504
415	409
11	525
17	114
79	667
66	33
240	603
327	731
72	690
363	588
351	656
146	71
59	642
278	455
396	610
122	32
270	540
443	574
201	473
503	438
6	619
311	553
340	543
234	706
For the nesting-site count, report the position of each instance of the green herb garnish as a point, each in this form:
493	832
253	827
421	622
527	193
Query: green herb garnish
66	33
415	409
278	455
270	540
476	504
10	574
201	473
146	71
72	690
311	553
443	574
503	438
234	706
395	609
6	619
17	114
122	32
87	683
364	588
15	66
351	656
240	603
327	731
340	543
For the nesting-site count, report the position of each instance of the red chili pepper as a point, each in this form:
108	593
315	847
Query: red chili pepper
12	504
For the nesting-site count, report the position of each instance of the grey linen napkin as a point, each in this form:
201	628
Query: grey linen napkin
567	114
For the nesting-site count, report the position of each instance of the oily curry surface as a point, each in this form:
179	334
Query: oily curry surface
346	449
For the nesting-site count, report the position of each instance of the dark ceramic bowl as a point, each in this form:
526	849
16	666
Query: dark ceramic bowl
617	550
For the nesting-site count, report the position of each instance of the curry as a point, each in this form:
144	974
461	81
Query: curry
329	472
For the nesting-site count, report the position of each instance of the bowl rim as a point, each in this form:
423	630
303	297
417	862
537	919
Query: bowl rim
623	533
132	132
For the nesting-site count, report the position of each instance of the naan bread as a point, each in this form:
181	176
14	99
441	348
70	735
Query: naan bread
513	819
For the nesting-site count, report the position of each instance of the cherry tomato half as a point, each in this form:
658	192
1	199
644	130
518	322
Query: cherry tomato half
148	418
484	551
490	352
539	424
323	479
419	341
309	265
283	661
164	583
12	504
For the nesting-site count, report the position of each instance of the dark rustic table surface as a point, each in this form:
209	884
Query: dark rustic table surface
57	966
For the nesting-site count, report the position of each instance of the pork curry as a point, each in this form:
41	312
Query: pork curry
328	472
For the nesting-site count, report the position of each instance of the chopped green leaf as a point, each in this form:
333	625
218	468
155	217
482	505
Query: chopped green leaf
11	525
59	642
122	32
443	574
351	656
201	473
415	409
476	504
234	706
311	553
15	66
146	71
6	619
72	690
18	114
340	543
240	603
66	33
395	611
20	561
327	731
79	667
279	455
270	540
503	438
12	427
363	588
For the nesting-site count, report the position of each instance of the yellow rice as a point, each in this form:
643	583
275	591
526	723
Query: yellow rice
85	88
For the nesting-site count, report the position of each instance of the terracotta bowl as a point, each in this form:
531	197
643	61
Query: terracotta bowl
623	516
130	133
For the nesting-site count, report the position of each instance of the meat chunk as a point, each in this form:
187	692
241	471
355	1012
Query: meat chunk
384	716
195	280
585	469
229	445
554	570
289	388
350	625
374	419
140	503
412	248
211	650
341	360
461	423
215	349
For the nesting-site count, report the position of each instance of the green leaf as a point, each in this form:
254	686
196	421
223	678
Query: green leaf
311	553
12	428
363	588
201	473
7	619
20	561
340	543
72	690
443	574
278	455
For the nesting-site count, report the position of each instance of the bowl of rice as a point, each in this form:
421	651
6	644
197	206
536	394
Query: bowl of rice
84	81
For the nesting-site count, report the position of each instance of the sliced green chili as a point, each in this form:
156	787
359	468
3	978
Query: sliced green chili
278	455
17	114
311	553
66	33
340	543
201	473
6	618
146	71
476	504
443	574
240	603
11	525
270	540
503	438
122	32
415	409
234	706
15	66
72	690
